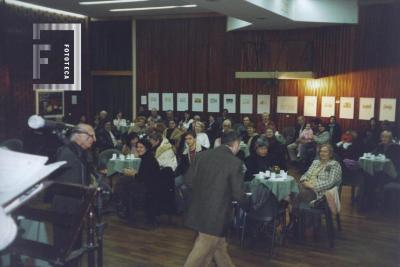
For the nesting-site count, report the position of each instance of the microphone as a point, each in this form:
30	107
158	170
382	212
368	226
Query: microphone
37	122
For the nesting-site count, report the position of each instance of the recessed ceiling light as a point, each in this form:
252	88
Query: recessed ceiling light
110	2
42	8
150	8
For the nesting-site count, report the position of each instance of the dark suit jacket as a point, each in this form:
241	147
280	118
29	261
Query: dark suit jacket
76	170
214	179
104	140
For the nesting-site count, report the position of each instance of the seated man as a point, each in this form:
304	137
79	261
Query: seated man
107	138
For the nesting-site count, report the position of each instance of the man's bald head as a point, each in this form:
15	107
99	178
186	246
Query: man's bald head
83	135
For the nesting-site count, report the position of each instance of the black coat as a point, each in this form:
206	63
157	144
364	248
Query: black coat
184	164
214	180
336	133
212	132
255	164
104	140
277	152
149	172
76	170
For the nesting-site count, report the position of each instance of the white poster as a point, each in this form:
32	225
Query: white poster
263	104
230	102
346	108
154	101
182	100
310	106
367	108
197	102
287	104
246	104
213	103
143	100
387	109
327	106
167	101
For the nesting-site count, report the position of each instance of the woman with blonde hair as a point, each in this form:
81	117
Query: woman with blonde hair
201	136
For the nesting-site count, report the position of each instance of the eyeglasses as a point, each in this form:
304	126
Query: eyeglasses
88	134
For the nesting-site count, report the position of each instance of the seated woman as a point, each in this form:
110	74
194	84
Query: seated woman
251	142
163	151
130	145
192	147
173	134
276	148
260	161
144	183
323	174
201	136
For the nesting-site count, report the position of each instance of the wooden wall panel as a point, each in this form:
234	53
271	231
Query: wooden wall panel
198	55
18	102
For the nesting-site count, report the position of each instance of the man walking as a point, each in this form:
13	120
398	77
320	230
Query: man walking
215	179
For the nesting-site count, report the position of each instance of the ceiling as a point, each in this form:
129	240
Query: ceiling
242	14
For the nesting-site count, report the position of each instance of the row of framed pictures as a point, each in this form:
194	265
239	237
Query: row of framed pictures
285	104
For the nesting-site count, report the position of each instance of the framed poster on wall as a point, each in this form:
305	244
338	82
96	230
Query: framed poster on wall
287	104
167	101
263	104
246	104
182	100
50	104
230	102
347	108
327	106
197	102
213	103
154	101
367	108
310	106
387	109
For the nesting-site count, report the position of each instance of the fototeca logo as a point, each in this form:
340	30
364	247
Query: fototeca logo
57	56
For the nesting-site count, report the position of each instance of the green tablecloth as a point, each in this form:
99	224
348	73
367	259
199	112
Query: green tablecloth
371	166
117	165
280	187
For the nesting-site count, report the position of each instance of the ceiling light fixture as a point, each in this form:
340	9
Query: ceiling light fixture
110	2
42	8
150	8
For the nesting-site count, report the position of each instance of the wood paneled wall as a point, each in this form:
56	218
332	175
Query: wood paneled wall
199	56
17	96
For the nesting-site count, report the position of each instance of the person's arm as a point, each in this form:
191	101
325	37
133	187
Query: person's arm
307	174
206	142
237	184
322	138
334	177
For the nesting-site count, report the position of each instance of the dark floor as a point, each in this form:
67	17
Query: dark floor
367	240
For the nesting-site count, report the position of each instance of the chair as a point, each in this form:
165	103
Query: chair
289	134
391	197
13	144
320	209
263	210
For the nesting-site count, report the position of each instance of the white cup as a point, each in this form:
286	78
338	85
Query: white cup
364	155
273	175
121	157
114	156
268	173
284	175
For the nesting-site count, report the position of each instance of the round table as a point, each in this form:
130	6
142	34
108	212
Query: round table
280	187
118	165
371	165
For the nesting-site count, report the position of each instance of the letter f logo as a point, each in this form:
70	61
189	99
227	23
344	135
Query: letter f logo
37	60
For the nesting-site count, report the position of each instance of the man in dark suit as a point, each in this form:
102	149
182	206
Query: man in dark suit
76	171
107	138
214	179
